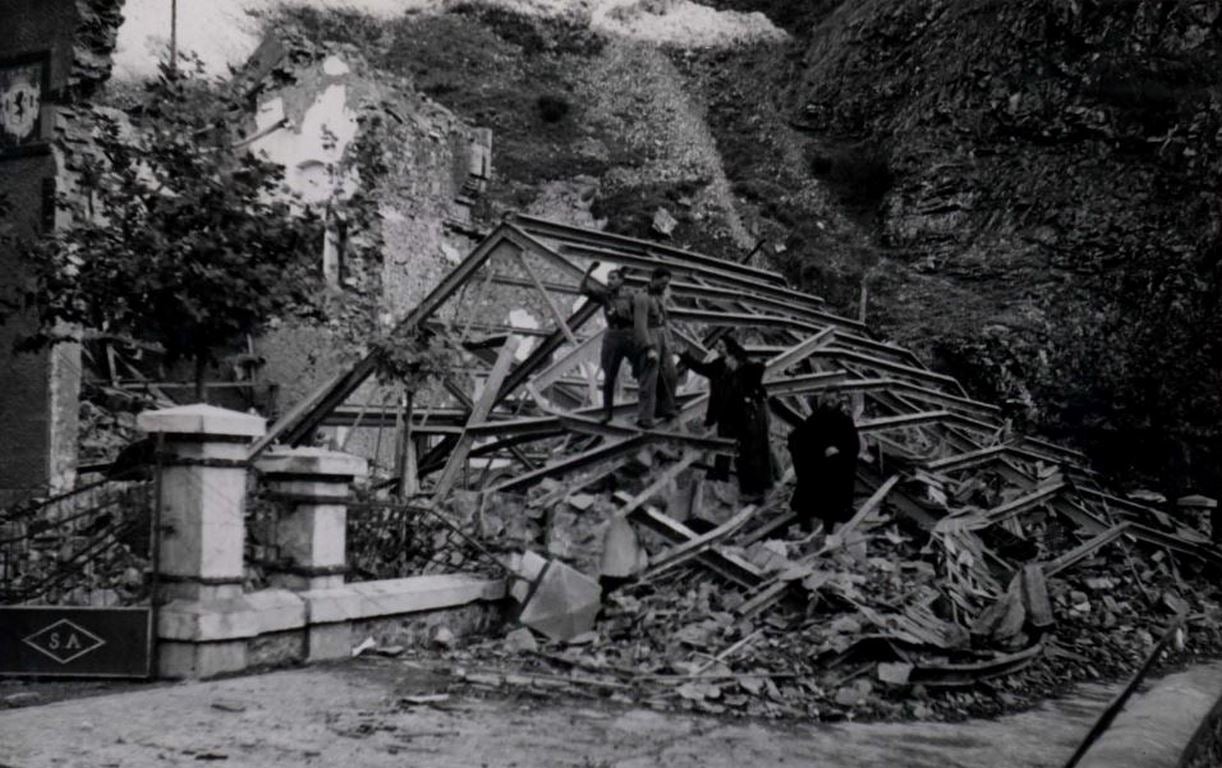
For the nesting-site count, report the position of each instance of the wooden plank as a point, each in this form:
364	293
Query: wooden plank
867	508
547	299
968	460
680	289
725	564
694	547
743	320
542	353
479	413
839	354
659	482
861	384
972	673
817	313
301	420
771	592
797	353
763	599
567	233
595	455
812	382
1035	592
611	429
772	526
902	420
585	352
1024	503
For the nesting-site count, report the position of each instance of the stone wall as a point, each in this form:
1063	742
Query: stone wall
431	163
421	195
38	408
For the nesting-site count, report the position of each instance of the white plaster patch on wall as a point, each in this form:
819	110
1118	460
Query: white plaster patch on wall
312	151
520	318
389	213
269	113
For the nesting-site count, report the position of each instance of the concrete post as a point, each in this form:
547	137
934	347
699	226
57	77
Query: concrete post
203	494
313	536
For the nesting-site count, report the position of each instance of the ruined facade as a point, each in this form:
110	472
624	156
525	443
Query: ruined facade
55	52
395	173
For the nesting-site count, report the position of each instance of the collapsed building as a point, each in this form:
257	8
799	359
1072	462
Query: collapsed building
980	562
973	553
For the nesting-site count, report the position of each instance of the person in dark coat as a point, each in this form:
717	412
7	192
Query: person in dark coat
824	449
655	367
738	406
618	342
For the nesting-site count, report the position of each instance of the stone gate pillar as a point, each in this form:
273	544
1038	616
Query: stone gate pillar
203	498
312	537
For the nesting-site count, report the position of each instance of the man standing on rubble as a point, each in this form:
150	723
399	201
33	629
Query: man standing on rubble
824	449
618	343
656	365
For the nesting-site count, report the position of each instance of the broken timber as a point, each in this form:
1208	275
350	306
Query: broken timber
529	415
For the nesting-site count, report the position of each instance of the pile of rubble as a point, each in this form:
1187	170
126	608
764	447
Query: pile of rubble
978	561
885	619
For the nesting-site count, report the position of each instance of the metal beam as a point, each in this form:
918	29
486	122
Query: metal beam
301	420
572	235
584	459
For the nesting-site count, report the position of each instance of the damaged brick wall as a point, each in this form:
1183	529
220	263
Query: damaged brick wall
38	410
339	115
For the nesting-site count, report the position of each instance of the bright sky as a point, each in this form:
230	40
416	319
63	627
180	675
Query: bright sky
222	31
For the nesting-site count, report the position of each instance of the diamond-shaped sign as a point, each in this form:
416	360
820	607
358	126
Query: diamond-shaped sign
64	641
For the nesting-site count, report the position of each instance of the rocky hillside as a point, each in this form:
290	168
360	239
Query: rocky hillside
1039	182
1026	190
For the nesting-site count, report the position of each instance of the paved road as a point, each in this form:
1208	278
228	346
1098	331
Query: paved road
349	716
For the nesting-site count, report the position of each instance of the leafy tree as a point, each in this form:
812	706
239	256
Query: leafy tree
179	235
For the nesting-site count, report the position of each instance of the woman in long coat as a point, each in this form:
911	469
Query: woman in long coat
824	449
738	406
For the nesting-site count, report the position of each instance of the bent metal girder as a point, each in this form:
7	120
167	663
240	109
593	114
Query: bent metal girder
527	392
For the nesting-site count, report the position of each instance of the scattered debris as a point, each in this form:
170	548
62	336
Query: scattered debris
663	222
21	699
981	569
520	640
424	699
554	599
442	637
368	644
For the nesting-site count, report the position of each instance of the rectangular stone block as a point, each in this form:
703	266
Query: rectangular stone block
325	642
194	661
252	614
314	536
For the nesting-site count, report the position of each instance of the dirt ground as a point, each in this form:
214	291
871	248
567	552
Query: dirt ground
375	712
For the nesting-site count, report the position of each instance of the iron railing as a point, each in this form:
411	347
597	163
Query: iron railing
393	539
88	546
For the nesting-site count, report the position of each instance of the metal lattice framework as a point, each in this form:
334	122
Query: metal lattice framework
529	342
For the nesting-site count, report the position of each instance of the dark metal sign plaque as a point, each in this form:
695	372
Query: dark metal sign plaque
75	642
